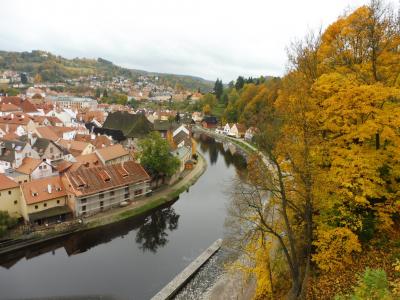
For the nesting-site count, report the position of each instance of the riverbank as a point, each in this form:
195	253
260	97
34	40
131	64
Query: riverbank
158	198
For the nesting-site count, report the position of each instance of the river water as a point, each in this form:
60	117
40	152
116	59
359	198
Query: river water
135	258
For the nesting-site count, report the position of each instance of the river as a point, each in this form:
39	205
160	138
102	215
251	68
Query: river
135	258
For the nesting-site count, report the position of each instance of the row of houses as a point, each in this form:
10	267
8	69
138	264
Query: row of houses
77	193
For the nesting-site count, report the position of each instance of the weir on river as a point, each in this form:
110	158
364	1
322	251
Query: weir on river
135	258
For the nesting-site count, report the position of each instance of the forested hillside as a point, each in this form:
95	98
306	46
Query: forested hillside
321	219
54	68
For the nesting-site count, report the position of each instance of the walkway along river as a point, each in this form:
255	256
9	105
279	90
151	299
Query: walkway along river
135	258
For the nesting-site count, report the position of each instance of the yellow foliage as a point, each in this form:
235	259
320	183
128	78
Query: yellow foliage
335	248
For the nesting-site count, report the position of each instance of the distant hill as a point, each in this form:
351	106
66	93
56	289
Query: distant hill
55	68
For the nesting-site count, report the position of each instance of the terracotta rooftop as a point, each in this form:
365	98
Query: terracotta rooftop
89	160
7	183
43	189
28	165
47	133
9	107
86	181
112	152
16	118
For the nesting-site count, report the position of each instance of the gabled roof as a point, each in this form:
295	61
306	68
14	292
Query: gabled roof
8	148
132	125
38	190
7	183
112	152
182	136
28	165
41	145
210	120
9	107
86	181
89	160
47	133
165	125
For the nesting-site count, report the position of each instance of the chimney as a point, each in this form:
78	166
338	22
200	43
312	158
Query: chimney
49	188
12	116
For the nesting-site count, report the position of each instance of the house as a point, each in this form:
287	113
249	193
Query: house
209	122
67	117
10	196
237	130
113	154
13	152
131	125
99	141
96	189
227	128
48	149
197	116
26	106
8	108
16	176
184	154
182	137
76	148
19	119
35	168
89	160
44	201
66	133
163	126
47	133
250	133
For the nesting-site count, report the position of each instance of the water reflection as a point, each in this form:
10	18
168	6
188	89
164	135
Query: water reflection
151	234
232	155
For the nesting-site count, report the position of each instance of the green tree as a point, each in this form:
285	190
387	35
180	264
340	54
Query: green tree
218	89
239	83
155	156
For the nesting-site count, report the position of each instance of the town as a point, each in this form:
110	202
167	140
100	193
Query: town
64	157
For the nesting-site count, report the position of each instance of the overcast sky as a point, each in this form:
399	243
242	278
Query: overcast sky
206	38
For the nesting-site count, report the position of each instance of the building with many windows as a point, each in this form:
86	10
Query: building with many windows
92	190
73	102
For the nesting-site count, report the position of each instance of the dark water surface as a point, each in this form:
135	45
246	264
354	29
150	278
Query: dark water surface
133	259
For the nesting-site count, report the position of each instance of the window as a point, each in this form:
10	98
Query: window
84	208
112	193
101	196
58	201
44	167
36	207
9	192
127	190
101	204
25	180
83	200
51	150
44	204
15	201
40	167
138	192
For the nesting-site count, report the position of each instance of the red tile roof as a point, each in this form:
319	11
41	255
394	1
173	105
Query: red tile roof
7	183
86	181
38	190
